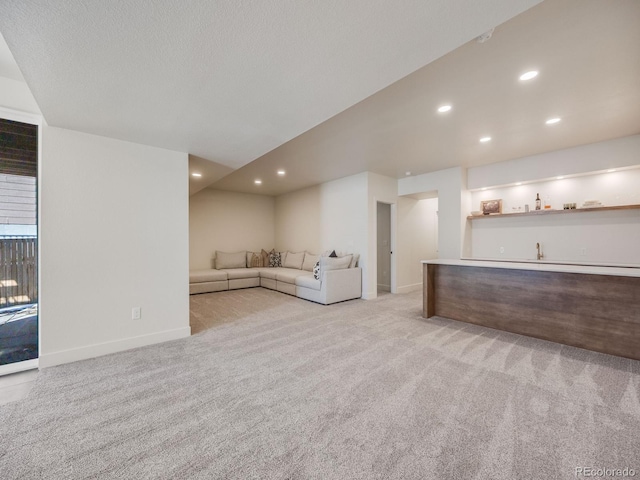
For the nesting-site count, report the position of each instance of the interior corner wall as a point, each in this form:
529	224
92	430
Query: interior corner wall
113	235
417	228
453	207
329	216
298	221
15	94
229	222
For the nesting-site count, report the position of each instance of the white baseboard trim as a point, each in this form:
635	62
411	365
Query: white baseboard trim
16	367
369	295
106	348
410	288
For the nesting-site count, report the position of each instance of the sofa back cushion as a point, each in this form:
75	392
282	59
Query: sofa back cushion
330	263
231	260
294	260
309	261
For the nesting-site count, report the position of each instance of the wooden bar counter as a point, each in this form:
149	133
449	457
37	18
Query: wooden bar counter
591	307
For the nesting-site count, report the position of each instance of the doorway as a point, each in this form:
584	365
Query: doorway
384	250
19	342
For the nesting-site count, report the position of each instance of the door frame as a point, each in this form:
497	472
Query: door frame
32	119
392	246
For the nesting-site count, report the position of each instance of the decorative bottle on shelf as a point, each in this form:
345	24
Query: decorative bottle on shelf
538	202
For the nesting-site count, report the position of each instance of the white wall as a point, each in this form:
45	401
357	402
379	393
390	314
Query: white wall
594	237
454	203
113	235
416	240
618	153
16	95
229	222
298	225
330	216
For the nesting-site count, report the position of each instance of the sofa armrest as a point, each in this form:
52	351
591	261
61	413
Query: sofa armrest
343	284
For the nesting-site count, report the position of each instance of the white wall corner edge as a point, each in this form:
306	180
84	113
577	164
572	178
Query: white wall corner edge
106	348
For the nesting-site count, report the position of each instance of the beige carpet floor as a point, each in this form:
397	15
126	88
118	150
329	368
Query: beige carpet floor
276	387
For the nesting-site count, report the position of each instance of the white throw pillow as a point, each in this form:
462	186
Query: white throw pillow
354	260
231	260
309	261
293	260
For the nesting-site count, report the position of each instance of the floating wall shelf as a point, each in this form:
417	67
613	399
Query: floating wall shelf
534	213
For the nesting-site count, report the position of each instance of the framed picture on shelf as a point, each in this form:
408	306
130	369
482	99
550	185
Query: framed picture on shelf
491	207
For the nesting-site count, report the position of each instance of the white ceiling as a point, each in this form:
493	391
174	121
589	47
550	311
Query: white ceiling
588	55
250	87
226	81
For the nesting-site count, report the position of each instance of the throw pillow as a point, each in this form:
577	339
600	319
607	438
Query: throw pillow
309	261
275	259
316	270
293	260
265	257
256	261
333	254
354	260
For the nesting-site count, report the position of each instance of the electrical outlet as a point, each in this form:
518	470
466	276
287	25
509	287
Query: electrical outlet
501	249
136	313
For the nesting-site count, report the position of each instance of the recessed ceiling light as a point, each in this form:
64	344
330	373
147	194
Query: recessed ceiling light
560	177
519	183
529	75
258	182
483	188
611	170
485	139
196	174
281	172
551	121
407	173
444	108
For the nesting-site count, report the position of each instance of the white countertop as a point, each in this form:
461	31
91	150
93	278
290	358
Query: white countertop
542	266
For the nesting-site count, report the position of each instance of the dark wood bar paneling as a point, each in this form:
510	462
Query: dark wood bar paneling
595	312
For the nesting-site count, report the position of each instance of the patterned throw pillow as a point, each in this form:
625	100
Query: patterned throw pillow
275	259
316	270
265	257
256	261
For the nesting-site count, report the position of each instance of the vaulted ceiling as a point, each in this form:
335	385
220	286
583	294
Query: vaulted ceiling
324	89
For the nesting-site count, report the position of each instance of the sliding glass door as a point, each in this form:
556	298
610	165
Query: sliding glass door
18	243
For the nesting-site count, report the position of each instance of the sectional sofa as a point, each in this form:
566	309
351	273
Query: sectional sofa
319	278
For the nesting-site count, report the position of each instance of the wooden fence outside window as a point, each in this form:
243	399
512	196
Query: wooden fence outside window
18	271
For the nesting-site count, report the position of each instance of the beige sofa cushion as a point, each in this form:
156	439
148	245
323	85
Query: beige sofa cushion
231	260
309	261
289	275
329	263
293	260
308	281
236	273
199	276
